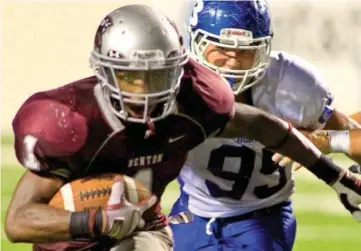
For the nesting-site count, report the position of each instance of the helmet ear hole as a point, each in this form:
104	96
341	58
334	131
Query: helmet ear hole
115	103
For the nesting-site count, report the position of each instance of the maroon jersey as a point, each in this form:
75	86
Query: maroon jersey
70	133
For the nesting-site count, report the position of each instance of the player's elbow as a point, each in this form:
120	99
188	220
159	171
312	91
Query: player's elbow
13	228
12	231
11	235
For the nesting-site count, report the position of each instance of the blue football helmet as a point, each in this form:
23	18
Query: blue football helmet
241	25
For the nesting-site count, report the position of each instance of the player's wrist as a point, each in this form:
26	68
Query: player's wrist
339	141
87	224
326	170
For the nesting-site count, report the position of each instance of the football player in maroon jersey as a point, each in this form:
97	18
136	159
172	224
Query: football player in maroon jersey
146	106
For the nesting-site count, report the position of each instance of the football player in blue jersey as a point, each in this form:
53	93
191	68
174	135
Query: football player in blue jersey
234	195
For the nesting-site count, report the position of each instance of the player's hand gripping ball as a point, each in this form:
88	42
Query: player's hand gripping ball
123	199
94	192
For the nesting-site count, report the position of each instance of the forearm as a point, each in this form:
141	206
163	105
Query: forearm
272	132
342	134
297	147
347	142
294	145
355	146
39	223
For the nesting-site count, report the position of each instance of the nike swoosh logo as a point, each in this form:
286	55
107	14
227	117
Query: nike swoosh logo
171	140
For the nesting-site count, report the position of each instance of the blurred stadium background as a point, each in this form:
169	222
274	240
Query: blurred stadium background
47	43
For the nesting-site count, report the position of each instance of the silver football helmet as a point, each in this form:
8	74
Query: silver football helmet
138	57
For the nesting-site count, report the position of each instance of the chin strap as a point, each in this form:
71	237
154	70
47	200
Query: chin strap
151	128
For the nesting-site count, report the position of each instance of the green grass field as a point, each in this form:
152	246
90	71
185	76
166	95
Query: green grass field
323	225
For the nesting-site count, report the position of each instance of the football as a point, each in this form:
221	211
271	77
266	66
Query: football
93	192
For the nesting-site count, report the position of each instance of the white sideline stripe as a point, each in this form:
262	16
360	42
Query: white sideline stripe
131	190
68	199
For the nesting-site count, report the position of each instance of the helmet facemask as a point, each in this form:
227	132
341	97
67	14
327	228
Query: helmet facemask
240	80
158	80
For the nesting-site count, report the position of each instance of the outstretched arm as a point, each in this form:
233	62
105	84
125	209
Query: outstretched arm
279	136
341	135
274	133
344	135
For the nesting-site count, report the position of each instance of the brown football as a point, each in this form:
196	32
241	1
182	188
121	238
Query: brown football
93	192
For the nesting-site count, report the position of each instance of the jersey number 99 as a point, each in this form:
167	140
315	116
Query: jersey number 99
240	180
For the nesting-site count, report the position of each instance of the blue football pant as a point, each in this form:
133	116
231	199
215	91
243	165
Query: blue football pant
264	230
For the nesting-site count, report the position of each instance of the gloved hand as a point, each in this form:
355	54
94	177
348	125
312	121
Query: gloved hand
348	188
120	216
